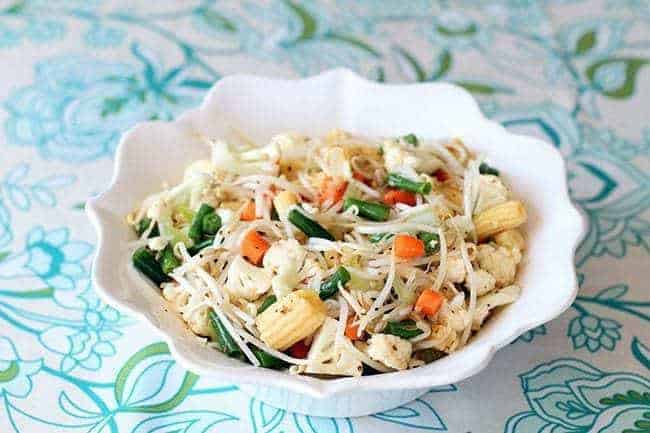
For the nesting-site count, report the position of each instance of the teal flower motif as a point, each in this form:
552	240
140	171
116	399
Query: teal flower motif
100	36
15	373
593	332
530	335
456	30
78	107
5	225
8	37
50	256
569	395
44	30
85	346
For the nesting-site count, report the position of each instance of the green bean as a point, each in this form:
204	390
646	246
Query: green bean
168	261
411	139
211	224
267	360
431	242
145	261
308	226
196	228
378	237
197	248
330	287
222	337
398	181
486	169
270	300
368	210
405	329
141	226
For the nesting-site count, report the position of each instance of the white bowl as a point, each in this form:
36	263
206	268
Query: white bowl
156	152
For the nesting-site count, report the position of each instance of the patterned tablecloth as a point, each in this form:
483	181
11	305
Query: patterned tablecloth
76	74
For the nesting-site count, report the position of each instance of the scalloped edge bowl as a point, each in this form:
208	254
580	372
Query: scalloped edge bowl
155	152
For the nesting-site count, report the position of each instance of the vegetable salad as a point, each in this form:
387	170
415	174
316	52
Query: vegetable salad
334	256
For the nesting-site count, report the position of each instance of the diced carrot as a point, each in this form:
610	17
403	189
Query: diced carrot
332	191
408	247
299	350
352	330
441	175
248	214
254	246
393	196
429	302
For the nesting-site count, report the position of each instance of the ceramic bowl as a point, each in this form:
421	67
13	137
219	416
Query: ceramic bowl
153	153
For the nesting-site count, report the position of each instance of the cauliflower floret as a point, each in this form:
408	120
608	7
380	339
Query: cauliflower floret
390	350
485	304
247	281
456	271
325	358
483	281
334	163
491	192
511	239
397	159
175	294
198	320
454	314
291	146
500	262
443	337
284	259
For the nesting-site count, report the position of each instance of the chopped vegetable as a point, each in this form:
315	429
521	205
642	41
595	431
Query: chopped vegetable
405	329
398	181
248	213
331	286
332	191
411	139
352	329
486	169
334	256
197	248
268	301
393	196
429	302
143	225
371	211
196	229
211	224
308	226
378	237
168	261
222	337
408	247
431	242
145	261
441	175
299	350
254	246
266	360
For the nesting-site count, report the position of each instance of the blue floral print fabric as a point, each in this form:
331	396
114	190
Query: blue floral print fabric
76	74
